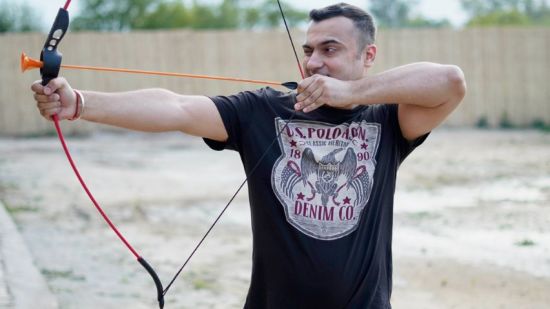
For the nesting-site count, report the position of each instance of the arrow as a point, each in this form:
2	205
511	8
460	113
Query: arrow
28	63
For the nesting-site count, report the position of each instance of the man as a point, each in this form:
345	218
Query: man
322	198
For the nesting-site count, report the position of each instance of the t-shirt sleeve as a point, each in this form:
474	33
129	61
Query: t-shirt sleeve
234	111
405	147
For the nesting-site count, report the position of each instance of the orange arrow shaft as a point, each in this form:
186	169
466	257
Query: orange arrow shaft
132	71
30	63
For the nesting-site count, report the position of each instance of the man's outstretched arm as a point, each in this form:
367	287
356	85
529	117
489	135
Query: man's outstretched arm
150	110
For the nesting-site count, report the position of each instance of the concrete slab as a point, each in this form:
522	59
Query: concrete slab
22	285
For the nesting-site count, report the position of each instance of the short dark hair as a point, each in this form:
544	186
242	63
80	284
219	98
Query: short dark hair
362	20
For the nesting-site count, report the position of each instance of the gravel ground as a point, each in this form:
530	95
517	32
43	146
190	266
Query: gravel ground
472	220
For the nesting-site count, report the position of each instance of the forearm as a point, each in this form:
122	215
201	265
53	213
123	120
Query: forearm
422	84
151	110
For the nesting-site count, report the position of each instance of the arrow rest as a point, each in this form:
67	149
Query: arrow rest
290	85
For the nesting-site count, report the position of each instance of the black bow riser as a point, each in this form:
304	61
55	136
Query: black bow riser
50	56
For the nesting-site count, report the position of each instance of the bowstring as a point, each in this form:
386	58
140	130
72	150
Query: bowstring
277	136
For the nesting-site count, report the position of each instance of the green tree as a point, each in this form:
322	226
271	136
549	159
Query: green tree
398	14
108	15
252	17
172	14
229	16
120	15
507	12
391	13
18	18
268	15
421	22
203	16
226	15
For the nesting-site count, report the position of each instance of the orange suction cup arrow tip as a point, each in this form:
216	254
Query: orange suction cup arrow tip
29	63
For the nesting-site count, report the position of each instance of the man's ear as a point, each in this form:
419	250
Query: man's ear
370	55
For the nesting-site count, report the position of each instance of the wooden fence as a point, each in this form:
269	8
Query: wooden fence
507	69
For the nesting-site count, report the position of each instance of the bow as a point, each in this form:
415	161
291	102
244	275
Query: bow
50	64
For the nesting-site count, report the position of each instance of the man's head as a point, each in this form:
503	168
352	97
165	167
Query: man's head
363	21
340	42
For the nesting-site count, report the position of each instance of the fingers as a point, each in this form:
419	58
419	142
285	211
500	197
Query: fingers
37	87
310	94
42	98
310	101
49	99
47	110
48	105
54	85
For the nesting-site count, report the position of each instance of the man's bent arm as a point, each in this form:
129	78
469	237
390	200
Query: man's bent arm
426	93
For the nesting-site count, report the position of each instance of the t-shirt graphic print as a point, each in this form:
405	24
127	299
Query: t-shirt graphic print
324	176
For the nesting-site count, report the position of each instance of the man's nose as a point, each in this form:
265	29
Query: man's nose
314	63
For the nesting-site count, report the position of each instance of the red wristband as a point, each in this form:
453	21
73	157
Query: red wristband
79	106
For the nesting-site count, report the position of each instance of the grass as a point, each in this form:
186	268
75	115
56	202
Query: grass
199	282
539	124
14	210
423	215
61	274
53	133
525	243
506	123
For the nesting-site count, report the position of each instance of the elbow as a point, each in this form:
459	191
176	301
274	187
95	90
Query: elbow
456	82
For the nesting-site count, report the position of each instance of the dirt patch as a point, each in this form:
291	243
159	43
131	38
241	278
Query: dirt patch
471	220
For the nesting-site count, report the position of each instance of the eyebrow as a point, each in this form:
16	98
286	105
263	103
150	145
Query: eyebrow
326	42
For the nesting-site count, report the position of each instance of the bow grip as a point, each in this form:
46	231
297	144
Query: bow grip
49	56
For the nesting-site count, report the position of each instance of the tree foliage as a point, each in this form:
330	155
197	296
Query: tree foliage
113	15
121	15
167	15
507	12
399	14
17	18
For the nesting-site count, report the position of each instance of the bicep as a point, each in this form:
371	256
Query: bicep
416	121
435	103
201	118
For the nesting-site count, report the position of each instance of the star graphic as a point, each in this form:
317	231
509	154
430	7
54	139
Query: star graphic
301	196
347	200
292	143
364	146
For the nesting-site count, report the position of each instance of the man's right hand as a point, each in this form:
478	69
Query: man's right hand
57	97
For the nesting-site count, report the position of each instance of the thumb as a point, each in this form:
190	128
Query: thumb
55	84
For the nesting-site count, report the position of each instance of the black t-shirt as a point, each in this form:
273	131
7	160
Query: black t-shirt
321	199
